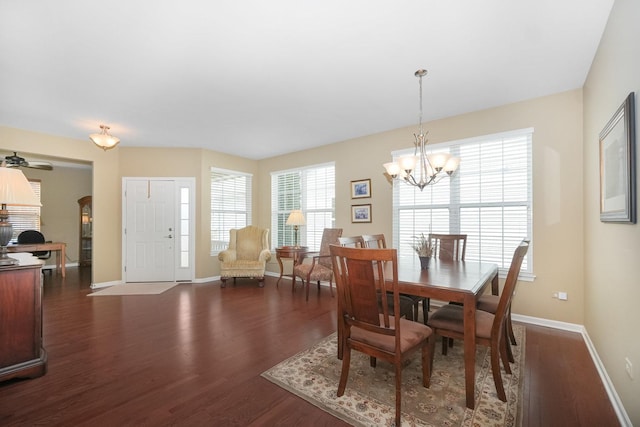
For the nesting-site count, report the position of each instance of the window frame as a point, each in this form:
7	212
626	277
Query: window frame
24	218
319	212
222	242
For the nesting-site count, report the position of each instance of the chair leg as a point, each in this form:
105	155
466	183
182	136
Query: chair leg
508	346
445	345
344	374
512	336
331	287
426	307
224	282
495	369
504	355
261	282
427	360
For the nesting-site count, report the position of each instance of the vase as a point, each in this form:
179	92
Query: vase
424	262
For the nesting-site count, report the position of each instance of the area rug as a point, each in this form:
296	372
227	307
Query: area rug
135	289
369	399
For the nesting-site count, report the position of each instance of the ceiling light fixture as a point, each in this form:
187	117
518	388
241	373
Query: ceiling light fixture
103	139
431	167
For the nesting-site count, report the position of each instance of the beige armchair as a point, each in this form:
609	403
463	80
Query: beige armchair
246	256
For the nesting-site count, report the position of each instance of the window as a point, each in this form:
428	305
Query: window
489	199
230	205
25	217
311	189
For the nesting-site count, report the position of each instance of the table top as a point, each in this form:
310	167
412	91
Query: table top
52	245
444	279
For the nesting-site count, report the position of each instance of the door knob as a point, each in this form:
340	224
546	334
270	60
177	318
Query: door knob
169	236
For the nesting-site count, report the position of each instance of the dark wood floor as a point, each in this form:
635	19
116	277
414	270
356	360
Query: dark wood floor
193	356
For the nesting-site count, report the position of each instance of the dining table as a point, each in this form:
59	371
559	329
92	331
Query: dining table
452	281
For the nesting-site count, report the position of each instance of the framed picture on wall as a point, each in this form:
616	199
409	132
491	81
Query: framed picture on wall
361	213
618	166
361	189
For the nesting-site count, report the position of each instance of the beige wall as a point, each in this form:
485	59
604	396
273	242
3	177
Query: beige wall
188	162
106	189
557	205
612	288
60	213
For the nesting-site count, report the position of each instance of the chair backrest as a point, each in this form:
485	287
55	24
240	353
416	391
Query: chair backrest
330	236
30	236
509	285
34	236
248	242
449	246
352	242
375	241
360	278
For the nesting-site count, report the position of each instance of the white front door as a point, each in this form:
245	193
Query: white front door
150	230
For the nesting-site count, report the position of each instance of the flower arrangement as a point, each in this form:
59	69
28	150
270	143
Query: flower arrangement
422	246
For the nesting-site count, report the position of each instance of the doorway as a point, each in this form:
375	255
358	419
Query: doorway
158	229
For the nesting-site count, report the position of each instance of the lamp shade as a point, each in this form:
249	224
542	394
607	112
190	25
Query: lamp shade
296	218
15	189
103	139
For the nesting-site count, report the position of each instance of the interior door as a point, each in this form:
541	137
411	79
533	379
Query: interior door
150	230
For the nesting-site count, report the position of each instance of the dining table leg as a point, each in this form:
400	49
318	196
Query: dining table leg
469	307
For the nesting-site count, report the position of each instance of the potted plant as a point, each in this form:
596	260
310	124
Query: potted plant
424	249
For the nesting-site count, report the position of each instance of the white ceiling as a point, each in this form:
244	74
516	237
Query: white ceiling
260	78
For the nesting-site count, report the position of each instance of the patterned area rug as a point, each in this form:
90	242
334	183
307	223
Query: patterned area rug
369	399
134	289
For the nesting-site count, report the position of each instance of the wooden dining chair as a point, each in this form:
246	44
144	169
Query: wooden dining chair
351	242
379	241
489	303
450	247
369	328
319	268
448	322
406	302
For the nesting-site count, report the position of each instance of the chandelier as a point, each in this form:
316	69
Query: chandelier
104	139
431	167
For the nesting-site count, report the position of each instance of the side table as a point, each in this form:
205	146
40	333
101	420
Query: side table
290	252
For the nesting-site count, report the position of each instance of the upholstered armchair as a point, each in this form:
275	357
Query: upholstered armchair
320	267
246	256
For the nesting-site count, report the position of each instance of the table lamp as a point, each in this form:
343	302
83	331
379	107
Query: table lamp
296	219
15	190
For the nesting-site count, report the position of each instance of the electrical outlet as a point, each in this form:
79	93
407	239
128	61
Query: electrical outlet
562	296
628	366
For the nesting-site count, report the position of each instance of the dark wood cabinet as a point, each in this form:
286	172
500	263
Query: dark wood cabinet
22	354
86	231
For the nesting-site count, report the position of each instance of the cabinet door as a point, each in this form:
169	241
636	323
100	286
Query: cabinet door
20	316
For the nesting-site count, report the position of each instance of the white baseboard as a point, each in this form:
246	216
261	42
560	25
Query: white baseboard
623	417
621	413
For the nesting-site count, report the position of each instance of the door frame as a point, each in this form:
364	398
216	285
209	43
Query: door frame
181	273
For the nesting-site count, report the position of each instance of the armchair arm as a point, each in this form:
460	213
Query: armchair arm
227	255
265	255
303	255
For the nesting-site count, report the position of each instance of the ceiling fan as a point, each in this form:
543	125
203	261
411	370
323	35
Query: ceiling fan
16	161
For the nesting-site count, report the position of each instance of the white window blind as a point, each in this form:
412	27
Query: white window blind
311	189
25	217
489	199
230	205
